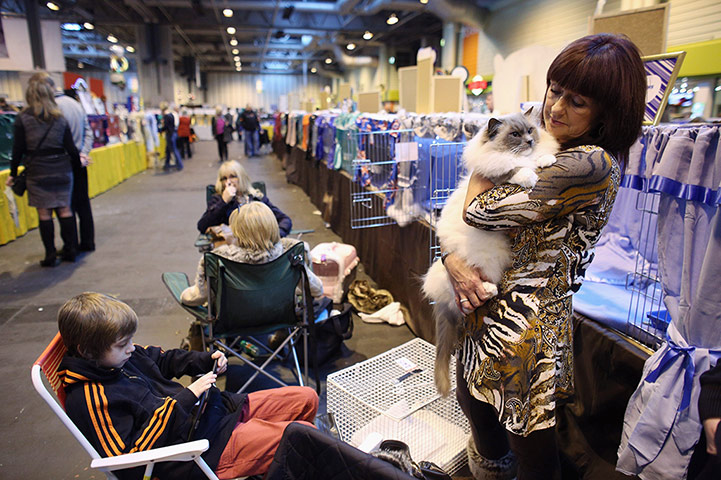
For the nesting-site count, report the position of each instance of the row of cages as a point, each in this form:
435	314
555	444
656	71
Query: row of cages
399	177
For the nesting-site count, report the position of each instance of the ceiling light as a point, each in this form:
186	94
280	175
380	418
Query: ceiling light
235	51
236	58
88	26
237	69
81	64
313	70
328	61
392	20
228	12
350	46
230	30
112	39
717	89
391	60
71	27
53	6
424	2
443	42
130	49
367	35
233	42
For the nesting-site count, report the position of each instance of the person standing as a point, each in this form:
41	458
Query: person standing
515	362
83	139
217	126
44	143
251	125
171	137
184	135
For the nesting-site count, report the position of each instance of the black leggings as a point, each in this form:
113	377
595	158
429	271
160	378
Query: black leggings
537	453
222	148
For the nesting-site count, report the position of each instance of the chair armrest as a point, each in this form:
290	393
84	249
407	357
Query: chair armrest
182	452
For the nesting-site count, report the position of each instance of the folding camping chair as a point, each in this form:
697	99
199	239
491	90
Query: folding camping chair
248	300
47	365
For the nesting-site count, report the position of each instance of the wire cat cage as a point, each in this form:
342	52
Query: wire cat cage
446	171
647	314
382	189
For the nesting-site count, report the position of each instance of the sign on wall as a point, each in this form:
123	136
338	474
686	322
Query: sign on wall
661	73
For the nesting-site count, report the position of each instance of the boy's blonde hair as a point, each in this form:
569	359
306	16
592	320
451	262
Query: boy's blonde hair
90	323
255	226
235	168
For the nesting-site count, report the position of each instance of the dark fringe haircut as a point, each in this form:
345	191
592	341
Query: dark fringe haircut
607	68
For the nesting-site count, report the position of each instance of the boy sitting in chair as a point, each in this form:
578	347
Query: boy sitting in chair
121	396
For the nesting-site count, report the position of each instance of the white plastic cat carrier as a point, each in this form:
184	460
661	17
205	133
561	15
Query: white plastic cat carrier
392	397
333	263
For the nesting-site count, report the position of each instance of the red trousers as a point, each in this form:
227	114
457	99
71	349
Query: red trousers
254	441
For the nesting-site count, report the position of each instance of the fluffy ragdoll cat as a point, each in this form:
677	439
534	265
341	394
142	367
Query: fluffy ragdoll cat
508	150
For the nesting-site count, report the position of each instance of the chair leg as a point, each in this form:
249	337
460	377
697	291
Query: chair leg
257	369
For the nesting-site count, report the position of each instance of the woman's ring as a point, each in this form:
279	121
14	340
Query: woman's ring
465	300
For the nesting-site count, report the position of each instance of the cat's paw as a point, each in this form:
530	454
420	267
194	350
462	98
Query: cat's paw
545	160
524	177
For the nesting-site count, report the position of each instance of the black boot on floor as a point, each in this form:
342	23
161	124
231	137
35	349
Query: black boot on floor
69	234
47	235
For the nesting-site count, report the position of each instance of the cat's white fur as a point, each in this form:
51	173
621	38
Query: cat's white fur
489	250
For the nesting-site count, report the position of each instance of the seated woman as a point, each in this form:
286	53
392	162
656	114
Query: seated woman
256	231
233	189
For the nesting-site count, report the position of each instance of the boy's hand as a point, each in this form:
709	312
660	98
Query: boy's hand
202	384
222	361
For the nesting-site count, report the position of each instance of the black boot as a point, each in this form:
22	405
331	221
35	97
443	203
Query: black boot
69	234
47	235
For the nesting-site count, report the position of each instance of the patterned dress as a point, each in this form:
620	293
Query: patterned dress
516	350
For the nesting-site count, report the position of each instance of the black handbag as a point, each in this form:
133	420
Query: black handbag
20	184
329	334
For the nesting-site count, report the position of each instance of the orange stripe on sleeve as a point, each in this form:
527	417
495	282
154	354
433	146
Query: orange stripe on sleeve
91	411
109	422
166	417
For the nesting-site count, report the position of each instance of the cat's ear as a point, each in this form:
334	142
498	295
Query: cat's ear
493	125
528	112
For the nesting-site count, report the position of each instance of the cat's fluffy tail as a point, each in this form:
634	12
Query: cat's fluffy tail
437	287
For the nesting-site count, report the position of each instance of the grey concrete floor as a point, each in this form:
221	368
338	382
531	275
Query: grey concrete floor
144	226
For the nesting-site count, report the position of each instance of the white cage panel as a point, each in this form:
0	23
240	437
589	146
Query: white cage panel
446	171
382	190
647	314
393	394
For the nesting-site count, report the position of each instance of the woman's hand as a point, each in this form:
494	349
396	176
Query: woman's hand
203	383
10	181
228	193
222	361
85	160
467	282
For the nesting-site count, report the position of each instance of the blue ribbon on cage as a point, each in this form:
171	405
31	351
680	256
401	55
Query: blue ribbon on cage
675	351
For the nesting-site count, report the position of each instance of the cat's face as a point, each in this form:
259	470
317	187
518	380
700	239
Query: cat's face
515	134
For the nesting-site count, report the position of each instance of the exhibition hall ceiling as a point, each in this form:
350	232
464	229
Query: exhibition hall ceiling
266	36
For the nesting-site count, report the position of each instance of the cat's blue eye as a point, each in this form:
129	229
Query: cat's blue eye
530	130
515	134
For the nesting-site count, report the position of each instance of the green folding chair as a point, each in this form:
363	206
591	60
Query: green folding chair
248	300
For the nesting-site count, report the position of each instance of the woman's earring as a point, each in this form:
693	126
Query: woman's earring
600	129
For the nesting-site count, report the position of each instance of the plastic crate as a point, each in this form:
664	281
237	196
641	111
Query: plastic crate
393	394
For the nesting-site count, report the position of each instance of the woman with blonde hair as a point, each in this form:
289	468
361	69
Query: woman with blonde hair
44	143
258	241
233	189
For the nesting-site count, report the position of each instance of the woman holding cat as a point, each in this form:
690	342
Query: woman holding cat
515	359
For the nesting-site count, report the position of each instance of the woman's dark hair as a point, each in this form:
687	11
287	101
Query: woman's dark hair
607	68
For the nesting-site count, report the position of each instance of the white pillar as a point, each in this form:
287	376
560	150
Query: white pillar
449	50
